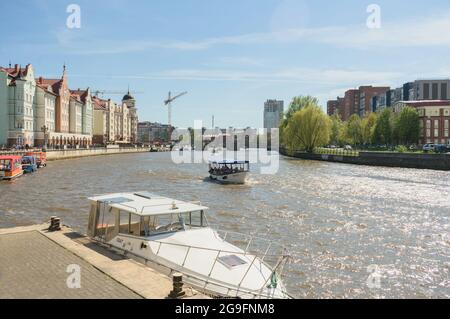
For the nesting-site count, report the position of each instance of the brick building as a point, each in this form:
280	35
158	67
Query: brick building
434	119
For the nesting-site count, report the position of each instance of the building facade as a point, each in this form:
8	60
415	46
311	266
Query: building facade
366	94
151	133
430	90
273	113
37	111
434	119
115	123
44	113
17	105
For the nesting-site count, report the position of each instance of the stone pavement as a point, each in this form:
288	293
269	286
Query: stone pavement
33	266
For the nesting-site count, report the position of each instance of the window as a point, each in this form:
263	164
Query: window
426	91
129	224
444	91
446	127
435	88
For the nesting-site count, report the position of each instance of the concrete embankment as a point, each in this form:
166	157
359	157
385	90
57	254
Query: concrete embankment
39	264
74	153
407	160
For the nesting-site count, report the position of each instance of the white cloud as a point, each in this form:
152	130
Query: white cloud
309	76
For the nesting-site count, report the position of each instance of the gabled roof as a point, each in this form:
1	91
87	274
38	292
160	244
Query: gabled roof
17	71
99	104
80	95
55	84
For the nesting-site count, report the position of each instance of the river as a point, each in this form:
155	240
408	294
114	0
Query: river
353	231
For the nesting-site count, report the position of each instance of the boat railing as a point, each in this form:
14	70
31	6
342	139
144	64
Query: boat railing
278	260
203	281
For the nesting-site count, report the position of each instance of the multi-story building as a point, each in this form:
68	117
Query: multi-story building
45	103
332	107
350	104
149	133
130	103
387	99
366	94
273	113
434	119
17	95
115	123
430	90
84	96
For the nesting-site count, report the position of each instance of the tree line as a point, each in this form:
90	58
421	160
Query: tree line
305	127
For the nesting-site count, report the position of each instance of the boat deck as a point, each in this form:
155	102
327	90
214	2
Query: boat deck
33	264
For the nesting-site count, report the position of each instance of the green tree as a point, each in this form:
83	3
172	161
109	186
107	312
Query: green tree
354	130
300	102
307	129
383	128
336	130
367	126
408	126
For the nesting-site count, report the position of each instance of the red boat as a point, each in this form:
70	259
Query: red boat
10	167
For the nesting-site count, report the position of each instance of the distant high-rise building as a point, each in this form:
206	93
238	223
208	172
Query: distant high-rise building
273	113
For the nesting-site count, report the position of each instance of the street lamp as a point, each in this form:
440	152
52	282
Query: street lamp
45	130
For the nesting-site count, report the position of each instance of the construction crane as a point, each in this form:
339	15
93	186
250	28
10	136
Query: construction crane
169	101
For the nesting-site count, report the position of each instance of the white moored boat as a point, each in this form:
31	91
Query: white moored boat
229	171
173	236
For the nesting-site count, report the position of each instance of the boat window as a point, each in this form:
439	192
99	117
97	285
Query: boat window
129	223
5	165
92	220
109	222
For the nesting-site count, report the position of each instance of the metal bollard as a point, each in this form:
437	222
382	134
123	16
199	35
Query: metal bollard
55	224
177	291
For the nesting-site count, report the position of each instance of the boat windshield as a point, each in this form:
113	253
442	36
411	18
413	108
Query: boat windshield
27	160
157	224
228	168
132	224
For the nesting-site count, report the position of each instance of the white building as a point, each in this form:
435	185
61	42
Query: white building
17	95
45	104
273	113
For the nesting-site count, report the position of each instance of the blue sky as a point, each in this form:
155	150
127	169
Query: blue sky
229	55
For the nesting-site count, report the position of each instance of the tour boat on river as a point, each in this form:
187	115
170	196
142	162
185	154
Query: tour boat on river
174	236
10	167
229	171
29	164
41	158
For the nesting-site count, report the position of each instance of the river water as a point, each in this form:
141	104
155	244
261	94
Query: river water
353	231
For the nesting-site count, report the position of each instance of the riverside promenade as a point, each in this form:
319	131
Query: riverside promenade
53	155
36	264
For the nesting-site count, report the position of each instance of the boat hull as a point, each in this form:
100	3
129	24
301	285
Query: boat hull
200	264
9	177
236	178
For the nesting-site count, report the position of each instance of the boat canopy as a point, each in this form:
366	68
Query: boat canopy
228	162
147	204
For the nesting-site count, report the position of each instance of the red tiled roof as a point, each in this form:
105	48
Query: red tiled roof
80	95
99	104
54	83
17	71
